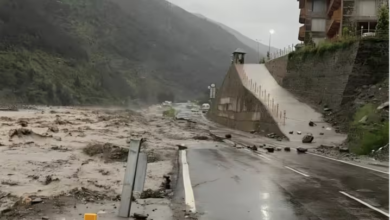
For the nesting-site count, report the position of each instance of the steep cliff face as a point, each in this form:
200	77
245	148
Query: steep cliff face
108	51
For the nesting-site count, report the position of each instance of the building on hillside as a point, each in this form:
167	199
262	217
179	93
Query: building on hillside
326	19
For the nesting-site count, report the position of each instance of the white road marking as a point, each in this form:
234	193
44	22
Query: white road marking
303	174
258	154
364	203
264	157
189	193
349	163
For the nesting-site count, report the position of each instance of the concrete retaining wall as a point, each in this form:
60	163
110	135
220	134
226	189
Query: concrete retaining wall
238	108
332	78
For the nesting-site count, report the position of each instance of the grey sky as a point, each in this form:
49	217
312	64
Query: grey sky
253	18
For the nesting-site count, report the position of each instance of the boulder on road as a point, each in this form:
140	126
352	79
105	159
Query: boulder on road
301	150
270	149
344	150
287	149
307	138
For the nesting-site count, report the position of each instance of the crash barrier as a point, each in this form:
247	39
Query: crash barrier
134	177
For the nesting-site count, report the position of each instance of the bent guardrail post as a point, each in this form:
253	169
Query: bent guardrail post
130	174
140	174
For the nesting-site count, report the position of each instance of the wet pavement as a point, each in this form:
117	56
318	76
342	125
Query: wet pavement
231	183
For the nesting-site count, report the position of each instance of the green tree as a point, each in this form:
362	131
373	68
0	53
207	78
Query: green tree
382	28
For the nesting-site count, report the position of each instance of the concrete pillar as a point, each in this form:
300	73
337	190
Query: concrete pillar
272	107
277	110
284	118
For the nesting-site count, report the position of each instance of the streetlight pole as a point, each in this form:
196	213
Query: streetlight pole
269	48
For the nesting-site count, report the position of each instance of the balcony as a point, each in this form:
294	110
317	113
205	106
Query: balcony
302	16
333	6
334	24
302	31
302	3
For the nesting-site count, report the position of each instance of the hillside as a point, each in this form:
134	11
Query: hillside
108	51
244	39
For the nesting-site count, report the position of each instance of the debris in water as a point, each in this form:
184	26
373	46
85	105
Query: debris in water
53	128
50	179
23	122
200	137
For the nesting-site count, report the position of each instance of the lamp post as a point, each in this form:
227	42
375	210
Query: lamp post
212	91
271	32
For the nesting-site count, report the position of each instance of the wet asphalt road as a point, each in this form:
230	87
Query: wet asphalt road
230	183
235	184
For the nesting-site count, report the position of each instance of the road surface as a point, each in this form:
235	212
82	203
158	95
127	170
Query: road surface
229	183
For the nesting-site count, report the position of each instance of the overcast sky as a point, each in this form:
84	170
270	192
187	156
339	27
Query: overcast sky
253	18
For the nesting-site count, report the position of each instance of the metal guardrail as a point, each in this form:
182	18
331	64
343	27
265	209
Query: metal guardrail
134	177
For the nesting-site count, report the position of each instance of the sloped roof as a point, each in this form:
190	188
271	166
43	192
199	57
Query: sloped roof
239	50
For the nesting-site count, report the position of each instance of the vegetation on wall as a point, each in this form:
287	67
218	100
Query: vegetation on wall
322	48
368	131
382	28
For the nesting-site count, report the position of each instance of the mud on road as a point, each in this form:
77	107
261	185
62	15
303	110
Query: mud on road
57	159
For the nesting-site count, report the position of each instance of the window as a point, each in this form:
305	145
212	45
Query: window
319	6
318	25
366	8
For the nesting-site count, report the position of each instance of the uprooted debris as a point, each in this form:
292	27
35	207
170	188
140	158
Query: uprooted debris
88	195
24	131
149	193
59	148
49	179
23	122
9	183
228	136
270	149
107	151
19	132
53	128
216	138
59	121
200	137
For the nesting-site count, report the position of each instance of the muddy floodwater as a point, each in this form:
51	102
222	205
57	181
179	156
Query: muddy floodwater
51	152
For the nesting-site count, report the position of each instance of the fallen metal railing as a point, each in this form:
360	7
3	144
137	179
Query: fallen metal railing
134	176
